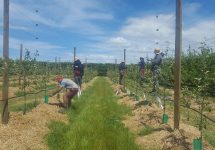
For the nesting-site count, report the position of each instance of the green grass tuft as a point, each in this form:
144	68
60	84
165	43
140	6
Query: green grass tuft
209	136
29	106
146	130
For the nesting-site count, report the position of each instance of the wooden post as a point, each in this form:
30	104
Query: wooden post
5	84
20	63
21	49
55	59
124	55
74	54
85	70
115	66
178	47
59	59
125	64
86	63
115	70
147	63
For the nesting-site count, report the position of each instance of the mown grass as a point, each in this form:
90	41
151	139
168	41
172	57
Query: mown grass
95	123
209	136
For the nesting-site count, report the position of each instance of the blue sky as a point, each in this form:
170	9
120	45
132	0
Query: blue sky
101	29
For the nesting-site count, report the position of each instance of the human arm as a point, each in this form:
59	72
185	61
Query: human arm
56	91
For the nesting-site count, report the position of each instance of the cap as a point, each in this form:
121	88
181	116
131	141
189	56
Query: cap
157	50
58	78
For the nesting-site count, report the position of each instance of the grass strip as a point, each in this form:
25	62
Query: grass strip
95	123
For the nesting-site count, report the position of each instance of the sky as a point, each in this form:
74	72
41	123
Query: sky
101	29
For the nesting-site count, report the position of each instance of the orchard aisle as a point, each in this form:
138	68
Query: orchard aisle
95	123
28	131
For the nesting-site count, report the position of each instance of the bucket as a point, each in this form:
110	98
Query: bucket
46	99
197	144
165	118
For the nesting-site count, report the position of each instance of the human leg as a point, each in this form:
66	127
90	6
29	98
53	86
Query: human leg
156	74
76	80
68	97
121	75
141	72
80	81
65	100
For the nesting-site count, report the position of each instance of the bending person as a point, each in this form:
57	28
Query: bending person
72	90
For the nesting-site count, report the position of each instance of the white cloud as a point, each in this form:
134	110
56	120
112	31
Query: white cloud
119	41
90	58
146	27
68	15
141	34
45	49
20	13
137	34
1	10
103	58
20	28
83	10
76	15
198	33
14	43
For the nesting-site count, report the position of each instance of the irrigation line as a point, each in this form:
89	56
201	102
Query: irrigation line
194	110
213	121
28	94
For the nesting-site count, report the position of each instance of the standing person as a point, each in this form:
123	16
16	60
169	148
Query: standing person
142	66
72	90
155	68
122	69
141	70
78	71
